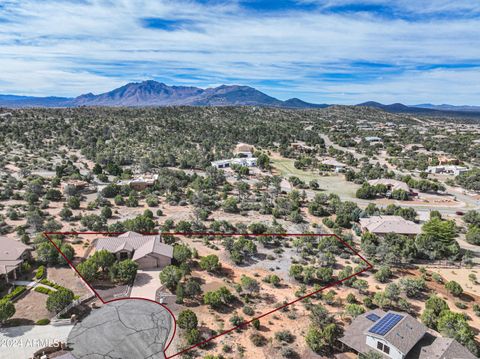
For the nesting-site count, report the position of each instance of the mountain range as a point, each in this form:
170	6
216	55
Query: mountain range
153	93
426	109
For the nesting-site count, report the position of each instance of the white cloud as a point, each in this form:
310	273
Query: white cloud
70	47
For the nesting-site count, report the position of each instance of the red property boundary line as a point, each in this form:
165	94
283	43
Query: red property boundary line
242	325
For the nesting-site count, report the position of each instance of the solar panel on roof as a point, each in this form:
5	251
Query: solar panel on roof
373	317
386	323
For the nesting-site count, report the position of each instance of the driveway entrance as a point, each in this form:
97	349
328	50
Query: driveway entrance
146	284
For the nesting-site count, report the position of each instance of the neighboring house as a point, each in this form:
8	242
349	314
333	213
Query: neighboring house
391	184
244	150
399	336
12	254
76	186
335	165
148	251
140	183
414	147
381	225
373	139
246	161
301	147
447	160
449	170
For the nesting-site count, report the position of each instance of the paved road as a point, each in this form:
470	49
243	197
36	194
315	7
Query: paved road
23	341
470	203
131	328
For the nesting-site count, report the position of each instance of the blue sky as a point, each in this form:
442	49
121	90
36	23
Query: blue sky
324	51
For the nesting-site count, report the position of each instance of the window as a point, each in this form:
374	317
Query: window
384	348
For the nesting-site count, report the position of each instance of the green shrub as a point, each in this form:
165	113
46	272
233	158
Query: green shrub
454	288
248	310
43	290
476	309
40	272
258	339
15	293
43	321
285	336
51	284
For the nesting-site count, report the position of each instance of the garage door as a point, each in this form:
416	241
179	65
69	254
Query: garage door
147	262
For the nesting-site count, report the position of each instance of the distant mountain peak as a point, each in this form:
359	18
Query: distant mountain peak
154	93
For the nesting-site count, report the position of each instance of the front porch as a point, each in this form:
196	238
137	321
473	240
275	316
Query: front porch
11	273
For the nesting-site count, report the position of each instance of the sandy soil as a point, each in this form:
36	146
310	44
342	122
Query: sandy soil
66	277
32	307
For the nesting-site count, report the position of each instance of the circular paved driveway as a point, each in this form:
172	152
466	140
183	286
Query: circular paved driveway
133	328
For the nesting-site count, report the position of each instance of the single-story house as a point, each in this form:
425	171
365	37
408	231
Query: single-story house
12	254
391	184
382	225
140	183
449	169
398	335
301	147
373	139
334	164
244	150
76	186
414	147
447	160
246	161
147	250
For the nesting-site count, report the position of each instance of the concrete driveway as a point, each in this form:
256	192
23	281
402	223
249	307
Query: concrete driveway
23	341
146	284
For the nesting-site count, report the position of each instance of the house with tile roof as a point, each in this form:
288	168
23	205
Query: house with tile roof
12	254
382	225
147	250
397	335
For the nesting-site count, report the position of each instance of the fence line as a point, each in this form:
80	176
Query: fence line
72	305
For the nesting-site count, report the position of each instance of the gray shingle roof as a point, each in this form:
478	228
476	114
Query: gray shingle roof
405	334
445	348
132	241
11	249
11	252
354	336
153	247
390	224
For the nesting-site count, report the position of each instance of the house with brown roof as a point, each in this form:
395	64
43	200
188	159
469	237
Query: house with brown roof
140	183
244	150
12	254
302	147
396	335
147	250
382	225
335	165
391	184
72	186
